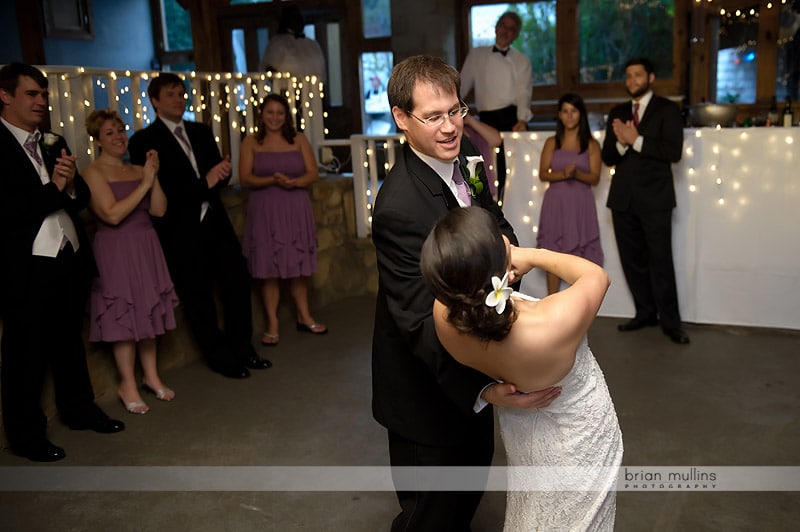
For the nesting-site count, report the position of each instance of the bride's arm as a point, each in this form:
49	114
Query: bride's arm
573	308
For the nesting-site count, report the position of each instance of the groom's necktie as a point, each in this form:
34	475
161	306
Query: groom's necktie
461	186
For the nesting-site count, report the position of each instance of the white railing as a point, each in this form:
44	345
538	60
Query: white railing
368	172
230	99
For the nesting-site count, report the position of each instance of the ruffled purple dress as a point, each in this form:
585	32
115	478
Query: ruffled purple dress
133	297
568	219
280	235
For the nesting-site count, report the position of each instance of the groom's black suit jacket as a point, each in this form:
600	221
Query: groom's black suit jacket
419	391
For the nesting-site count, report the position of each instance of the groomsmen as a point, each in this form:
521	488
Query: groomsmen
200	245
46	266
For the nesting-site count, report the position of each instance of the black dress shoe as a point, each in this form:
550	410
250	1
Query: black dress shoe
637	323
257	362
677	335
231	371
43	451
101	425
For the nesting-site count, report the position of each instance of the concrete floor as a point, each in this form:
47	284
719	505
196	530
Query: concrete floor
729	399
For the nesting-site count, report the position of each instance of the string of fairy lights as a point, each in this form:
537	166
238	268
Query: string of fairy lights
228	99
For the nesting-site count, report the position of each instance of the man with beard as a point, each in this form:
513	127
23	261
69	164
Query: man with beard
643	138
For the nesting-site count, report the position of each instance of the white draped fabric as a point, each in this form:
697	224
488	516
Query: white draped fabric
736	229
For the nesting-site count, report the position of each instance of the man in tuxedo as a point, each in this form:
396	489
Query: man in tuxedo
200	245
431	405
501	79
643	138
46	268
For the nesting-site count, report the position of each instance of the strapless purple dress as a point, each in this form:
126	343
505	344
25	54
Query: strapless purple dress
280	235
133	297
568	218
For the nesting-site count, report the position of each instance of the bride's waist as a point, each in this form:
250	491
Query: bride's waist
580	378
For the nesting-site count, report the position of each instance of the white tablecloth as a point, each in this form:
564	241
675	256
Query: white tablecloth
736	229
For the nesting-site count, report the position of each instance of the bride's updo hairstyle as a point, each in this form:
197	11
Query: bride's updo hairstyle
460	256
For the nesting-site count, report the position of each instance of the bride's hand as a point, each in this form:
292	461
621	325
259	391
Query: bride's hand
520	263
507	396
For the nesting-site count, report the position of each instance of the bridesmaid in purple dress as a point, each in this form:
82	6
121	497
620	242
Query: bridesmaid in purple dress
280	236
132	299
571	164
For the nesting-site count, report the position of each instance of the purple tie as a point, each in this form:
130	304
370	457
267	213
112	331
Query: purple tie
636	114
461	186
184	140
30	146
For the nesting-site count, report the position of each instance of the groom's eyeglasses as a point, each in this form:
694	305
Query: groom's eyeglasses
438	119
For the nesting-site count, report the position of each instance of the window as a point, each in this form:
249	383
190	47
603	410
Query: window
737	55
377	17
612	32
177	27
376	67
788	71
173	34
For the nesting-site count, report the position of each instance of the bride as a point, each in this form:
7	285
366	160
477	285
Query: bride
575	443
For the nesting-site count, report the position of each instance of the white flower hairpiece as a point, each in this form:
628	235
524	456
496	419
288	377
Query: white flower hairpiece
500	293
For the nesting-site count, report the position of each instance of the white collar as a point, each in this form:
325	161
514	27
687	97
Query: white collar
443	169
172	125
20	134
644	100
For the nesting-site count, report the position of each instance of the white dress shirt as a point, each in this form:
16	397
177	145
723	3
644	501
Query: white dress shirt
499	81
57	227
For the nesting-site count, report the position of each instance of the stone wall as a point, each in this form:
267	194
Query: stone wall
346	268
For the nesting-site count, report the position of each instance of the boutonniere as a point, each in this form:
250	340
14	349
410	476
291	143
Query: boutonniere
472	173
49	140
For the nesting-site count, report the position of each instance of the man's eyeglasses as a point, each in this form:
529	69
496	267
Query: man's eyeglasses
438	120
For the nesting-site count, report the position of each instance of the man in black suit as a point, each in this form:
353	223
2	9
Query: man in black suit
199	242
643	138
46	267
430	404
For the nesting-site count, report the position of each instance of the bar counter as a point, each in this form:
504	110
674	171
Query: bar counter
736	229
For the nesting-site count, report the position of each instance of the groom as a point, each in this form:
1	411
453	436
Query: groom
432	406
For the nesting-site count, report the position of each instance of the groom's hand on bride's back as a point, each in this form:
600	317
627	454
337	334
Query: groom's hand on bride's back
507	396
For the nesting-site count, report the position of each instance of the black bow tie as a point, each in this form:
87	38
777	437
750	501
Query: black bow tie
499	51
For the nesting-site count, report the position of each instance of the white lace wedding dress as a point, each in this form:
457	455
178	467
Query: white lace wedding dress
562	459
